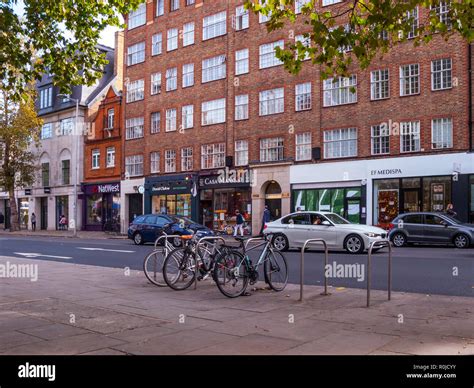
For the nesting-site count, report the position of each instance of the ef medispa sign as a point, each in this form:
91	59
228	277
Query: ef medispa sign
105	188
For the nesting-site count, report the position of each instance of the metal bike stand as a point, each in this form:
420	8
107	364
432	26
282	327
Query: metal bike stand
326	256
380	244
207	238
252	239
165	236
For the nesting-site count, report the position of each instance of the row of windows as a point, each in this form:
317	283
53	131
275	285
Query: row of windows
338	143
109	158
65	173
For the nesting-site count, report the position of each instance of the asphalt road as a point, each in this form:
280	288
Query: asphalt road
427	270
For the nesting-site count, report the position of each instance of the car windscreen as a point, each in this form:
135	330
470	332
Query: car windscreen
179	219
336	219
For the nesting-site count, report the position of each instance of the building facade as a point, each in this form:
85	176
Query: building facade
207	104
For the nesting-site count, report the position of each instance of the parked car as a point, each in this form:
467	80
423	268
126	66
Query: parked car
291	231
149	227
430	228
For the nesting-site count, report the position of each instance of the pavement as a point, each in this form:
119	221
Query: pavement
79	309
82	234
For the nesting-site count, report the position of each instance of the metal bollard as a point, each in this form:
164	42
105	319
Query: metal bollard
369	268
326	256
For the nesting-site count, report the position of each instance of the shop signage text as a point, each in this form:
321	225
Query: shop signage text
105	188
393	171
228	176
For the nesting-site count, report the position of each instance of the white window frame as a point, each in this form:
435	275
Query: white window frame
134	128
267	54
155	122
303	97
412	130
157	44
303	143
380	84
241	107
442	133
46	97
160	7
137	18
110	157
213	112
154	162
214	68
46	131
340	143
187	116
241	153
444	72
212	156
241	18
337	91
111	118
171	118
379	139
272	149
135	90
188	75
95	159
170	160
271	101
410	79
242	61
134	165
188	34
187	159
136	54
155	83
214	25
171	79
172	39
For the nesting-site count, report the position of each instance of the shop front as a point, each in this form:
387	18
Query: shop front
5	212
375	191
221	194
101	206
174	195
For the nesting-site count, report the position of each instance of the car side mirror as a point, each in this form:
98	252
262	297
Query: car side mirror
327	223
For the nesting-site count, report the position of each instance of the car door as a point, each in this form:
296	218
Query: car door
413	226
318	230
296	228
159	225
436	229
148	228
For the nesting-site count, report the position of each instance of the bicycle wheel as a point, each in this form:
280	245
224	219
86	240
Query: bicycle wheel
179	269
230	274
153	267
275	270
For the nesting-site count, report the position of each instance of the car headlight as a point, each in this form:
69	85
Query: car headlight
370	234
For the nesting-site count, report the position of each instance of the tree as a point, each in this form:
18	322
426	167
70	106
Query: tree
55	36
19	130
362	29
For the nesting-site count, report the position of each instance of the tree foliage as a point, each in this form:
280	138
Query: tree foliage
362	29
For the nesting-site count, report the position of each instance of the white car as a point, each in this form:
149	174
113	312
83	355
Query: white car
293	230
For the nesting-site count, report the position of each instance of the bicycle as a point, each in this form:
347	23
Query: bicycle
232	275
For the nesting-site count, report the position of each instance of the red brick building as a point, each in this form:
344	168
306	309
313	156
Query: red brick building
204	91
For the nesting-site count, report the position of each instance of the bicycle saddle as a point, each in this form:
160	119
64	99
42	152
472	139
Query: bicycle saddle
237	238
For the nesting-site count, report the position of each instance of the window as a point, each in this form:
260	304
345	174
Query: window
431	219
261	17
188	75
190	2
242	107
67	126
442	133
136	54
46	98
303	146
172	39
441	74
134	128
213	68
170	120
188	34
268	54
271	150
413	17
299	5
174	5
187	114
213	156
338	91
330	2
213	112
137	18
110	158
171	79
155	83
272	101
306	42
65	172
413	219
187	159
45	174
155	122
340	143
303	96
241	152
410	136
170	161
46	131
379	84
160	7
95	159
242	61
134	165
136	90
241	18
111	118
154	162
157	44
214	25
409	79
442	12
380	140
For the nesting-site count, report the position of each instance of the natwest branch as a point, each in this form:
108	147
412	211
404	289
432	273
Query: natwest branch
101	206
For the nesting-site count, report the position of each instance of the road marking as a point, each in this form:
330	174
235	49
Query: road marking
31	254
105	250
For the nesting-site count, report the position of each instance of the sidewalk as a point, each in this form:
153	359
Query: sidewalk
78	309
64	234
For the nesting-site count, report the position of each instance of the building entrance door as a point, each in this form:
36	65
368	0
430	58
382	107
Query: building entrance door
273	200
44	213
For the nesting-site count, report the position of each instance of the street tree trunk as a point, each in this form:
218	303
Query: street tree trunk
14	224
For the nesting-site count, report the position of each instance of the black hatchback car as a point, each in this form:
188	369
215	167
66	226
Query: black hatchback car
149	227
430	228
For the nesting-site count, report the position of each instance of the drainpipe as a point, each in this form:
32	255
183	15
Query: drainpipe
471	145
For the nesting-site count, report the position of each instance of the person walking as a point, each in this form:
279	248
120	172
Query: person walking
239	223
450	210
266	218
33	221
2	220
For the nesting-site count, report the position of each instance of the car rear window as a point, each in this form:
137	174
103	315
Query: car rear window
139	220
413	219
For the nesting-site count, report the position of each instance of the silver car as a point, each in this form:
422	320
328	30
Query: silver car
293	230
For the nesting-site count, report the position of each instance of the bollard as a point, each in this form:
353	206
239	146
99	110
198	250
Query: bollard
369	268
326	256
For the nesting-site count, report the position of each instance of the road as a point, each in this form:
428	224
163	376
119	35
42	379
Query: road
427	270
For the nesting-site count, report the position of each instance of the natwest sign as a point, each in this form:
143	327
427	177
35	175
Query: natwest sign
104	188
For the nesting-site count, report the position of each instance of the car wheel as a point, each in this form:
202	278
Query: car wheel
138	239
280	242
177	242
461	241
354	244
399	239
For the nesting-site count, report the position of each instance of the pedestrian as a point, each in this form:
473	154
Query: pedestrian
62	222
266	218
450	210
2	218
239	223
33	221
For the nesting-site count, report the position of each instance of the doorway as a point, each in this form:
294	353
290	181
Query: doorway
273	200
44	213
352	211
135	206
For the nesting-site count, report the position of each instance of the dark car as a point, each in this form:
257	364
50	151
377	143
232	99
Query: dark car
430	228
149	227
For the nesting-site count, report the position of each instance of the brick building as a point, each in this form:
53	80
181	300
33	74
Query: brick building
214	123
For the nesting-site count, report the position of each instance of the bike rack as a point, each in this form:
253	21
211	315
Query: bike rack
207	238
326	256
165	236
381	244
252	239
